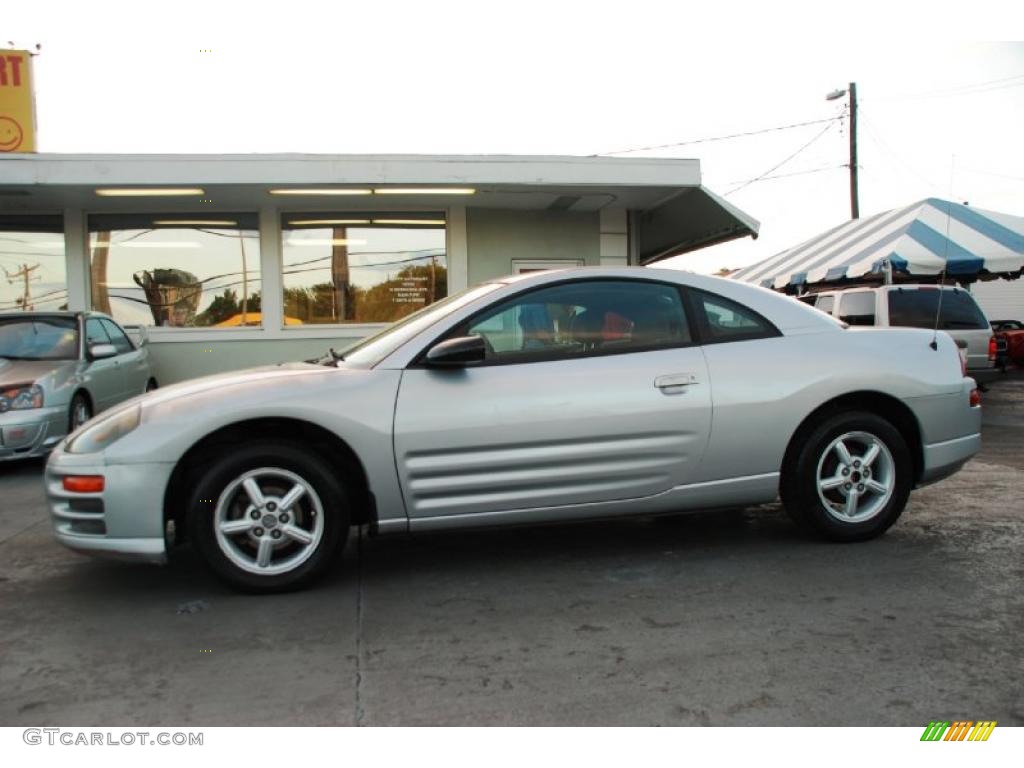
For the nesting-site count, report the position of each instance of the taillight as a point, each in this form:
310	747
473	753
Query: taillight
975	398
992	349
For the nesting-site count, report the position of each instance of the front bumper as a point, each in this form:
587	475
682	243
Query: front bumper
125	521
24	434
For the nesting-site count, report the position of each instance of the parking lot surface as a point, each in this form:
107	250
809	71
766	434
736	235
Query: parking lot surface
729	618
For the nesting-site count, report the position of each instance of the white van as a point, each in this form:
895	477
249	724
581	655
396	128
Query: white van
916	306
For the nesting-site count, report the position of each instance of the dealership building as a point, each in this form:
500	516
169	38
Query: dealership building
237	260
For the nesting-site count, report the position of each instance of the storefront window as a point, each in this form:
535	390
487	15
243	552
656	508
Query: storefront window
177	270
361	267
34	276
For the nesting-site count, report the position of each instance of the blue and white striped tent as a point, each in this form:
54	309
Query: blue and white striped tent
918	240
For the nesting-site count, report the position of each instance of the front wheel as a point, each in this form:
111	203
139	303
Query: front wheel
79	412
851	478
269	517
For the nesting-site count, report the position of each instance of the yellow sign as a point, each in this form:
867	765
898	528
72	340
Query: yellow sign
17	105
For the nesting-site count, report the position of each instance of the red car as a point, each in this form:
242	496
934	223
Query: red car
1010	340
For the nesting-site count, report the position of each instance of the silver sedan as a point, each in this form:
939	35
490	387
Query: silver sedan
553	396
58	369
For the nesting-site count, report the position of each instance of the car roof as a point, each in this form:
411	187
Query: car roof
784	311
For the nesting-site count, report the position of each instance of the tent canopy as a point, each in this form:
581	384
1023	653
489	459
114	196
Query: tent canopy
922	239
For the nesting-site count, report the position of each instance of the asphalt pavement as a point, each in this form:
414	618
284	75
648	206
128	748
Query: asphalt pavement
729	618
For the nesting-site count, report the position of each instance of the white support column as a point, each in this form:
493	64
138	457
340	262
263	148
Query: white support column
458	253
76	259
271	269
614	247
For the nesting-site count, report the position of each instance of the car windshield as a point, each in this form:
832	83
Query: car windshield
371	350
39	338
917	307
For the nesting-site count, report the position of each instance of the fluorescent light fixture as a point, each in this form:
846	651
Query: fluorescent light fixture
136	244
424	191
321	191
425	222
196	222
334	241
325	222
149	191
48	244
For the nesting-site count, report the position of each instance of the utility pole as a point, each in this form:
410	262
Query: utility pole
854	192
854	195
24	273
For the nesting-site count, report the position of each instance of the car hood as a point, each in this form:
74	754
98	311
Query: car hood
26	371
254	379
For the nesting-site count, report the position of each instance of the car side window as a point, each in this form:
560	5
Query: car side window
825	304
118	337
726	320
94	333
857	308
582	319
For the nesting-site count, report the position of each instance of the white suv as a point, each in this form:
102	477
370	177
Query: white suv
916	306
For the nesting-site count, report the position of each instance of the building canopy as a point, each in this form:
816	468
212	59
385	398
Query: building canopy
674	213
921	240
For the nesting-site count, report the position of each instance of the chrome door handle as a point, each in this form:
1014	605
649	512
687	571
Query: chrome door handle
674	382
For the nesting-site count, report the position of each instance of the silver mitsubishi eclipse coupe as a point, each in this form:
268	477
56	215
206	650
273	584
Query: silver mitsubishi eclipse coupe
552	396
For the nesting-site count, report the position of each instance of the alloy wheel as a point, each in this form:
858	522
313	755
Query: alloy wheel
268	521
856	477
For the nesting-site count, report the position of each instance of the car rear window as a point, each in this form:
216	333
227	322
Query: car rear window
917	308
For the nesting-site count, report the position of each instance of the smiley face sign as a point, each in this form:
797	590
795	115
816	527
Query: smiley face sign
17	105
11	134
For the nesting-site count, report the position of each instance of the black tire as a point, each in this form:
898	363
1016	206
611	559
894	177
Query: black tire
234	557
824	513
79	412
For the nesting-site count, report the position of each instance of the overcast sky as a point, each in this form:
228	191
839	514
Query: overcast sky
940	115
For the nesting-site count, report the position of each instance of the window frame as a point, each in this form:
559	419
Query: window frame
355	331
85	336
110	321
545	356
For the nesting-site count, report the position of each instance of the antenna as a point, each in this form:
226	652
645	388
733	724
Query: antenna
945	258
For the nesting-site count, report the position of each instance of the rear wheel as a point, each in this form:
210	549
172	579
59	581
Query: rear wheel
851	478
79	412
269	517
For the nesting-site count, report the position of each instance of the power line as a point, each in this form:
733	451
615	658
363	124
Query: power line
881	144
960	90
788	175
775	167
718	138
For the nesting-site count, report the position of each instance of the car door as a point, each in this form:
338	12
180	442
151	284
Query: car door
103	375
132	361
591	392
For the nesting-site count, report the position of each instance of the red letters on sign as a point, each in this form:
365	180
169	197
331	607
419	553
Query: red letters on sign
14	62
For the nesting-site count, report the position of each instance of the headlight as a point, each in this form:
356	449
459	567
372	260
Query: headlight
97	435
21	397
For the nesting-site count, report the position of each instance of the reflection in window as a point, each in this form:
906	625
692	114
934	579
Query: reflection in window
728	321
177	270
361	267
32	260
580	319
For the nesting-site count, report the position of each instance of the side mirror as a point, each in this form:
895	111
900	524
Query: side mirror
454	353
101	351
